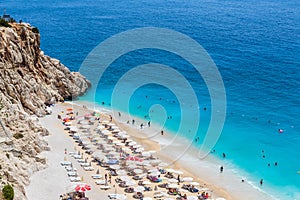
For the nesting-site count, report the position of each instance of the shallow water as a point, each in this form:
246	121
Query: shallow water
254	44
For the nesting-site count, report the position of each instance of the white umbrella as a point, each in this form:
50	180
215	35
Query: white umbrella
155	174
115	167
146	182
138	171
173	180
172	186
187	179
121	172
192	198
130	182
139	189
68	123
170	170
139	150
194	183
162	164
105	187
146	154
85	127
178	172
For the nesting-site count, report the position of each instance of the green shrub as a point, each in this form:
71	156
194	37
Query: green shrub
4	23
18	135
8	192
35	30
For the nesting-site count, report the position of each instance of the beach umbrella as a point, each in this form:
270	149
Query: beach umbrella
105	187
82	187
69	109
139	189
162	164
130	182
138	171
172	186
115	167
85	126
178	172
68	123
146	182
187	179
124	178
134	158
105	122
121	197
155	173
146	154
139	150
192	198
136	146
170	170
132	143
194	183
121	172
173	180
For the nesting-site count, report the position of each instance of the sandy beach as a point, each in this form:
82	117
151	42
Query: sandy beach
175	151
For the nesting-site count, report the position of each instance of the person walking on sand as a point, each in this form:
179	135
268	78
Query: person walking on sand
105	176
109	175
221	169
149	124
261	182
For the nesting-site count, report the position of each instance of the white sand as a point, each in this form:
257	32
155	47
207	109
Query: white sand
53	181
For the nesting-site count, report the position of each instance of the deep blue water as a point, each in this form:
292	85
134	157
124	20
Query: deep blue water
255	44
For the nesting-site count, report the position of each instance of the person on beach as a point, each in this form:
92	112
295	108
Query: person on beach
224	155
105	176
221	169
119	114
149	124
110	118
261	182
162	132
109	175
133	122
141	126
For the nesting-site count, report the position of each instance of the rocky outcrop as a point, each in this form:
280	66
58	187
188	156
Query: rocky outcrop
29	81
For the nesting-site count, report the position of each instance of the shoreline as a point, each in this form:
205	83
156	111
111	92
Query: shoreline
229	182
189	163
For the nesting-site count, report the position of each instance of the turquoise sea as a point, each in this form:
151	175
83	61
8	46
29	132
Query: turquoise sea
255	45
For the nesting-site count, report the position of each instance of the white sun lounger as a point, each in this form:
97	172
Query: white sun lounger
75	179
66	163
97	176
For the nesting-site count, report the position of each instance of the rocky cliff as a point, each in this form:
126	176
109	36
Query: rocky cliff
29	81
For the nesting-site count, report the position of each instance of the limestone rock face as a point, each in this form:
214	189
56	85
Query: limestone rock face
29	81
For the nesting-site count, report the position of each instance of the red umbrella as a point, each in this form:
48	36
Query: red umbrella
82	187
134	158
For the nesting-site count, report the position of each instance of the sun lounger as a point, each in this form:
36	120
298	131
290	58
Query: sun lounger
80	160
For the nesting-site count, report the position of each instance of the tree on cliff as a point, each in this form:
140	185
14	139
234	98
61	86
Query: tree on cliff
8	192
